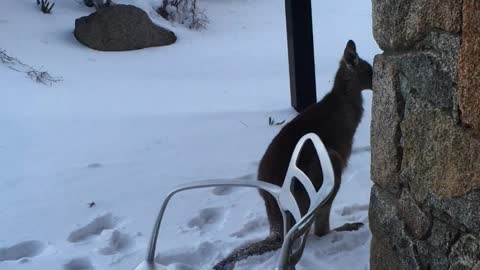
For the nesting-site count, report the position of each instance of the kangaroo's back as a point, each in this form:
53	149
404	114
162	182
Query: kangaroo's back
334	119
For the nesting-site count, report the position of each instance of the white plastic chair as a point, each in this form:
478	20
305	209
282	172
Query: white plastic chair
295	238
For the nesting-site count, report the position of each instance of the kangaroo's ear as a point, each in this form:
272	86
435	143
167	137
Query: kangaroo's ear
350	55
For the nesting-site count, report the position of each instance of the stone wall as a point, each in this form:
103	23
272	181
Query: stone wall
425	204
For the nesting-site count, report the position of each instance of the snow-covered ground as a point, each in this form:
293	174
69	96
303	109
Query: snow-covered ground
122	129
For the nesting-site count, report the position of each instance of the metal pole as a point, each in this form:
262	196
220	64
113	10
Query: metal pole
300	53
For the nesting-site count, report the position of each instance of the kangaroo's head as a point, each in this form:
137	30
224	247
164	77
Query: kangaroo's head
354	72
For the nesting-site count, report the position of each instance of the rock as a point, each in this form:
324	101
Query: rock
428	74
390	245
465	253
469	74
385	133
438	156
445	49
414	110
462	211
425	135
383	255
399	24
121	28
442	237
417	222
434	251
421	77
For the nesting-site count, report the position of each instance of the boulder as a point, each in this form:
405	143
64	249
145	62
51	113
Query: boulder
121	28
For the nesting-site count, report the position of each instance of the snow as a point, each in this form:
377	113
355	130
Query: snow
123	128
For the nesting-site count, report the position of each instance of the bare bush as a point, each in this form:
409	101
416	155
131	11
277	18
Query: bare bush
185	12
37	75
45	6
88	3
98	4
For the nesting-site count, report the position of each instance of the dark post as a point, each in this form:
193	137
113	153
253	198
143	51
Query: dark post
300	53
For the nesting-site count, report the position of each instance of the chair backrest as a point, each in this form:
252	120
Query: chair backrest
295	238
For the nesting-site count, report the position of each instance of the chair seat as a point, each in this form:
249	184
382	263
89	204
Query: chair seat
294	237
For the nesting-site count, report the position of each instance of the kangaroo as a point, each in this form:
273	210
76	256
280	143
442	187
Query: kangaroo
334	119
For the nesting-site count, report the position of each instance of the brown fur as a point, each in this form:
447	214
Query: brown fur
334	119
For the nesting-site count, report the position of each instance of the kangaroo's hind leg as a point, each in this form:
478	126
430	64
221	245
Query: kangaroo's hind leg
322	219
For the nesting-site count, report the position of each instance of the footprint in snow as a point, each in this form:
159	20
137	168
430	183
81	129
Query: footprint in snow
95	227
202	255
79	264
116	242
94	165
21	251
207	218
340	242
255	225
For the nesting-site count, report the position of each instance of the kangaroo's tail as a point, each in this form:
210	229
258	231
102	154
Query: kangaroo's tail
271	243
